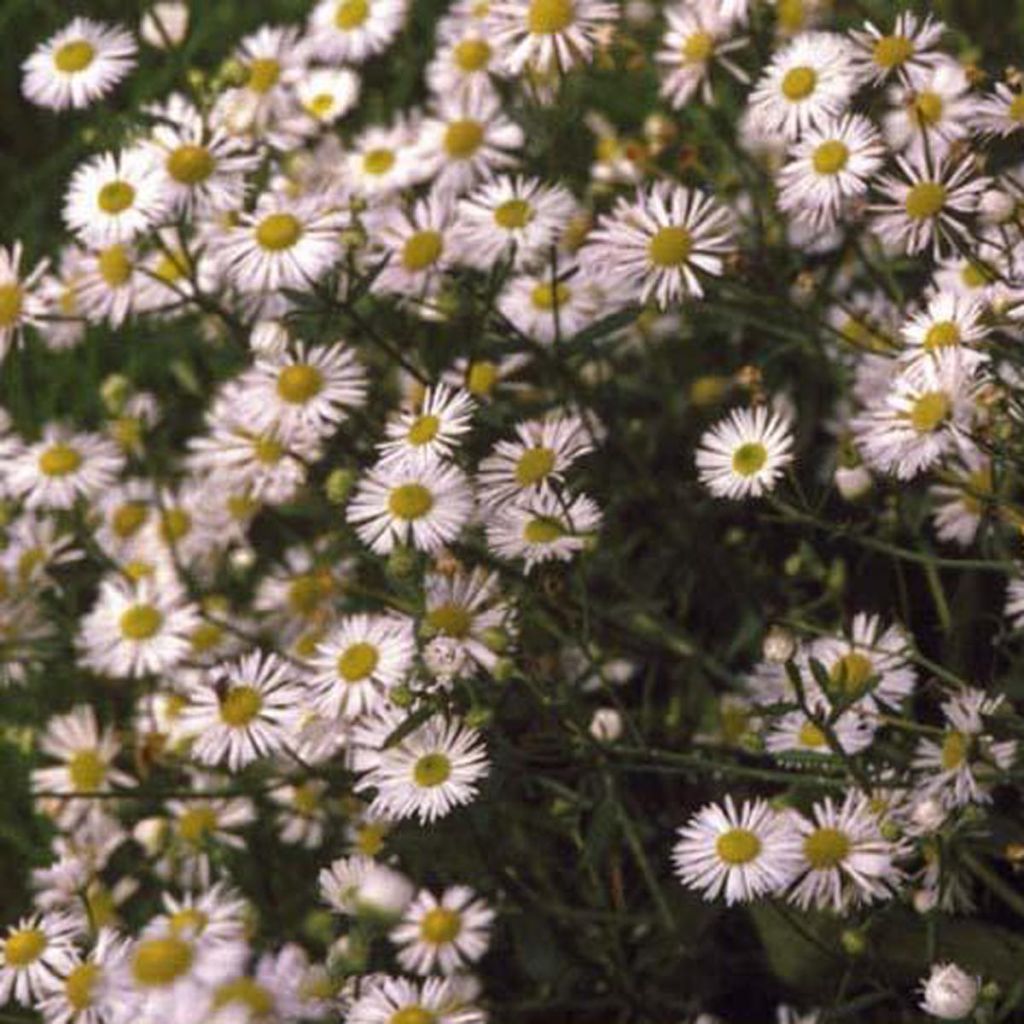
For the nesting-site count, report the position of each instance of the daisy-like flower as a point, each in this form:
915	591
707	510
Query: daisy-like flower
949	321
110	284
520	216
424	505
136	629
796	16
745	454
114	197
537	459
285	243
653	246
427	774
960	503
351	31
544	527
550	307
949	992
845	861
468	140
926	415
447	934
305	390
380	160
828	167
696	38
869	664
54	472
21	302
327	94
547	35
908	51
358	663
244	710
303	812
741	854
432	431
464	64
1001	112
34	954
935	113
808	83
795	733
958	769
925	206
201	171
358	884
79	64
93	989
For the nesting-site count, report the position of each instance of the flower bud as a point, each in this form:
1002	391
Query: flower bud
779	645
114	391
384	892
950	993
338	485
853	483
165	24
268	338
606	725
854	941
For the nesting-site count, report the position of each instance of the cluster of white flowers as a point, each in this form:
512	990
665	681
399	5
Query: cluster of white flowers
332	670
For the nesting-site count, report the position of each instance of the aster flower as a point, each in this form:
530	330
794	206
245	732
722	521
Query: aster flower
449	933
696	39
908	51
745	454
543	527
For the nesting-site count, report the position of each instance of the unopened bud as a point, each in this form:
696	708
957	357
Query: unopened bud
338	485
165	24
779	645
606	725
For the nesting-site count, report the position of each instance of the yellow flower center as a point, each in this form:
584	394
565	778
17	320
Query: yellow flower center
481	378
424	429
170	267
543	530
158	963
140	622
432	770
370	839
955	748
241	704
410	501
513	213
928	108
421	250
439	926
299	383
190	164
930	411
351	14
79	985
412	1015
534	465
378	161
547	298
1016	109
306	799
546	17
247	993
698	47
825	848
268	450
925	200
831	157
791	14
24	947
799	83
12	299
205	637
472	54
59	460
307	591
942	334
357	662
811	736
189	920
74	56
891	51
670	247
264	73
749	458
114	266
278	231
852	673
115	197
450	619
462	138
737	846
974	276
175	523
320	105
87	771
196	824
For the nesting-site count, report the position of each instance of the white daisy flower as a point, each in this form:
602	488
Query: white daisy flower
351	31
1001	112
303	812
115	197
111	284
522	217
547	35
198	826
136	629
794	732
845	861
447	934
550	307
464	65
327	94
949	321
359	661
34	955
381	161
432	431
21	300
960	504
808	83
828	167
935	113
926	207
424	505
908	51
285	243
93	990
544	527
244	710
741	854
79	64
745	454
429	772
696	38
654	245
949	992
